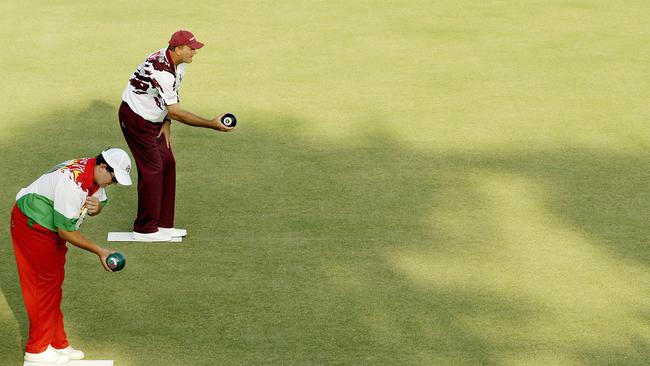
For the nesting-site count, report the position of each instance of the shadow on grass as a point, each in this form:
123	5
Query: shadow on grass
302	253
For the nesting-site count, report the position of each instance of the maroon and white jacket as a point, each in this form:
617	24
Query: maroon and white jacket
153	86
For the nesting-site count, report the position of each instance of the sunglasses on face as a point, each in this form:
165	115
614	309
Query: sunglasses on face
111	171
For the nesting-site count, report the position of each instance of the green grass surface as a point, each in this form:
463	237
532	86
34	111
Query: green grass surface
411	182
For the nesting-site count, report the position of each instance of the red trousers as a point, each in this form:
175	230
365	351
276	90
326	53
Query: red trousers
40	258
156	171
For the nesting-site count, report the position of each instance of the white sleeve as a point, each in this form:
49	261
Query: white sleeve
68	199
165	82
101	196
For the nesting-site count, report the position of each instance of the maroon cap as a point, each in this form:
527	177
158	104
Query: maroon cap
183	37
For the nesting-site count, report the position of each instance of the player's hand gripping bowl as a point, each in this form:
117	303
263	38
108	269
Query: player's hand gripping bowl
229	120
116	261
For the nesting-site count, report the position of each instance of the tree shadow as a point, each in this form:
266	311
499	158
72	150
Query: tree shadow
376	253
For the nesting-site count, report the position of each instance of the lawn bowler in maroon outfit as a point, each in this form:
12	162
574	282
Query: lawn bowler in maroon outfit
149	103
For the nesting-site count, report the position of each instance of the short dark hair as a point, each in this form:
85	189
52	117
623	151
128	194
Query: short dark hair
99	159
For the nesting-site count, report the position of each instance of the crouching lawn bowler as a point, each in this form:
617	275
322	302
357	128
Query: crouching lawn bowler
47	214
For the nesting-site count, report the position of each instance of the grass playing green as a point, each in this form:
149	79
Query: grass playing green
410	183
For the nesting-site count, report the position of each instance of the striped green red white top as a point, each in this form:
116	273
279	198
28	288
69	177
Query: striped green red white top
56	198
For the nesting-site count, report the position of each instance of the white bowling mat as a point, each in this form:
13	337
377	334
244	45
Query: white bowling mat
128	236
76	363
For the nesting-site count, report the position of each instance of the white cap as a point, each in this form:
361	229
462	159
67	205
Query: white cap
119	160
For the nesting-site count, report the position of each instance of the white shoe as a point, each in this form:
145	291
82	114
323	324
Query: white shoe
50	355
157	236
73	354
173	231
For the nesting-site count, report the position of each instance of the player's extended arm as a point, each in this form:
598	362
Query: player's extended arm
175	112
75	238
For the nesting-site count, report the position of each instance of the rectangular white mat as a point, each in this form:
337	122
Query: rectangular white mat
128	236
76	363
